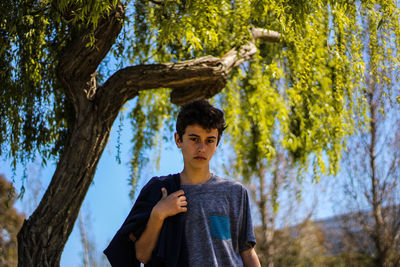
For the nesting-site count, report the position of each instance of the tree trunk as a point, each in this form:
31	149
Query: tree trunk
267	219
43	236
378	234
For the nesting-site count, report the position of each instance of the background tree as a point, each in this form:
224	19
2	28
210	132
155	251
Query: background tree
68	67
10	223
372	173
372	182
89	254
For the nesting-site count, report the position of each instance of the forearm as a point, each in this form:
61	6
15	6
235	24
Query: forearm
145	244
250	258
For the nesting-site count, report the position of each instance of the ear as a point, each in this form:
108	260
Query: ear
177	141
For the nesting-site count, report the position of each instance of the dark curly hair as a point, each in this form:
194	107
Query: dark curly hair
200	112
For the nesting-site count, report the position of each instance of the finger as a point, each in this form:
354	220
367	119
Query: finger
164	192
178	193
183	203
183	209
182	198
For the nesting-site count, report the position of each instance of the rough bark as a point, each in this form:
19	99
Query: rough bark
192	79
43	236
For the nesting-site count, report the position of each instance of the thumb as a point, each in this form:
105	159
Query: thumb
164	192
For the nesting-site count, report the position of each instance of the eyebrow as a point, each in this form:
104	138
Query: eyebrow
195	135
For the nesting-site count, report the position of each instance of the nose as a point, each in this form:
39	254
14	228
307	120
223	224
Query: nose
201	146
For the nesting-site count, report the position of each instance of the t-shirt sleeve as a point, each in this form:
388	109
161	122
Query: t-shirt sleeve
247	239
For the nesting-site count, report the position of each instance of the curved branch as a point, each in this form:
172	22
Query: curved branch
192	79
186	77
234	58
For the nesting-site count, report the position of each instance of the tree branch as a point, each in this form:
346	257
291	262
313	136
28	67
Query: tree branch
79	61
235	57
192	79
271	36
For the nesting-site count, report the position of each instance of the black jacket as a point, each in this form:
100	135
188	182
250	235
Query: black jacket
169	250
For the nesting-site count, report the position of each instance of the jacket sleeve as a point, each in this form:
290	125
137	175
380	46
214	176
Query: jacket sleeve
121	250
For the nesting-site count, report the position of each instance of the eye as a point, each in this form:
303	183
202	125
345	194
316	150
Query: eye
211	140
194	139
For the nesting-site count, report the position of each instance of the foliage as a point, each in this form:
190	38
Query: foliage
35	112
10	223
302	91
302	94
152	120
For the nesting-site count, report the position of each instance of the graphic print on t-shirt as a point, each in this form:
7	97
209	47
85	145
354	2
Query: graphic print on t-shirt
219	227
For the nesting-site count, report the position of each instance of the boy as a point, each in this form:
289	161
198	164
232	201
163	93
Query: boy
193	218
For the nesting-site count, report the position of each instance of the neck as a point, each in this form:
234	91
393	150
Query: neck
191	177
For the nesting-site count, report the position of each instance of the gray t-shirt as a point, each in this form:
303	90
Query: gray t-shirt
218	223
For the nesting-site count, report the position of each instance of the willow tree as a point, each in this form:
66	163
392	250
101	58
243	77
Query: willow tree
68	67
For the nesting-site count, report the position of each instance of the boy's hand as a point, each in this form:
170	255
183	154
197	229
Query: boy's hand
170	205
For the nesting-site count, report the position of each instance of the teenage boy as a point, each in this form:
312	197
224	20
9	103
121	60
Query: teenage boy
193	218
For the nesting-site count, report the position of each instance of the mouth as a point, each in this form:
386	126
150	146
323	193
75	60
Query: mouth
199	158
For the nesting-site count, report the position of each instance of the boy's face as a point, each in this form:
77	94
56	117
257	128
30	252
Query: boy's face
198	145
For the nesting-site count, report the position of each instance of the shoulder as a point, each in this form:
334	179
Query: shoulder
159	181
152	189
171	182
165	178
229	184
227	181
231	189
